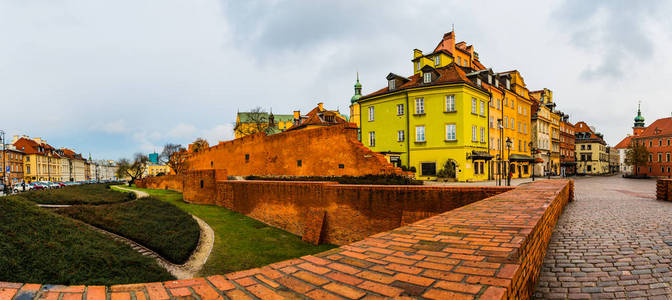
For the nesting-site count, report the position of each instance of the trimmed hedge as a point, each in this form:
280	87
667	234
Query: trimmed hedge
79	194
39	246
366	179
158	225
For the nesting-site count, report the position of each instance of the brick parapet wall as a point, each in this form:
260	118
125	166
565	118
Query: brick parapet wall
165	182
353	212
664	189
490	249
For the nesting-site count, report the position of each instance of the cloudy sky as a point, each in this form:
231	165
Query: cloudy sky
112	78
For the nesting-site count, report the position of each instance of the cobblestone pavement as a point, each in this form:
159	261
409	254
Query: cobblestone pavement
610	243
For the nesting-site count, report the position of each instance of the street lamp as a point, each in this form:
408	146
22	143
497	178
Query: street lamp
532	150
509	144
500	126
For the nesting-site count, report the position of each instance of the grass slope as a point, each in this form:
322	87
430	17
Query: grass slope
78	194
240	241
39	246
158	225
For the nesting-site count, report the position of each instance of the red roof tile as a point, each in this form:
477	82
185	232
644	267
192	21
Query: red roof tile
659	127
625	143
451	73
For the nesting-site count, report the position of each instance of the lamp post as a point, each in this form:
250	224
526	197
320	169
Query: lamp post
509	144
532	151
549	164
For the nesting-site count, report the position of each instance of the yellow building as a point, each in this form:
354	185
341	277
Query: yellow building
41	162
510	127
154	169
248	123
591	151
435	121
546	122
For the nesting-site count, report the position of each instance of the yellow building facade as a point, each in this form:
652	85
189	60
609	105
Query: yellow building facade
434	122
248	123
510	127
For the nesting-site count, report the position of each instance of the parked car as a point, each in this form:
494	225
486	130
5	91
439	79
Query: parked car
19	187
36	186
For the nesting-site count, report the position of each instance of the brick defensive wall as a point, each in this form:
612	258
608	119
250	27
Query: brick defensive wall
489	249
324	151
664	189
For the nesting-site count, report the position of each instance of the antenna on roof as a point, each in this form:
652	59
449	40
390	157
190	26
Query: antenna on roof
452	27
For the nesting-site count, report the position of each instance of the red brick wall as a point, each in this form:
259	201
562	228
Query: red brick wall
353	212
490	249
664	189
321	151
201	186
165	182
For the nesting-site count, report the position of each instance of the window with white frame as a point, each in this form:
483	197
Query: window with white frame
506	122
372	139
513	123
418	65
371	113
400	136
419	133
482	135
400	109
473	106
427	77
450	103
390	84
450	132
419	106
437	60
482	108
474	133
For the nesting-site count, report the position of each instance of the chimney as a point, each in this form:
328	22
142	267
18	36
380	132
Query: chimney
321	106
297	117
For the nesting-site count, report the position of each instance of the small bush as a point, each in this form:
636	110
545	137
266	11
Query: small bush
155	224
366	179
79	194
39	246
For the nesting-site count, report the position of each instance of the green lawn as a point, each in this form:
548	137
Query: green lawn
158	225
39	246
240	241
78	194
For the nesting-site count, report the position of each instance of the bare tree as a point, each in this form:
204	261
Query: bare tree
256	121
200	144
637	155
133	169
174	156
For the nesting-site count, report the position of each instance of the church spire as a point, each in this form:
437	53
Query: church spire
358	91
639	120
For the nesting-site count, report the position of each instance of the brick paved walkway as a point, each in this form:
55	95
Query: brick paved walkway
610	243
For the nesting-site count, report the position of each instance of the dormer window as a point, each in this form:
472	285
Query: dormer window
437	60
489	79
478	82
496	82
508	84
390	84
427	77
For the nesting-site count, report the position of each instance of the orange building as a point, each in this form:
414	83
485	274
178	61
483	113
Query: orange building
13	160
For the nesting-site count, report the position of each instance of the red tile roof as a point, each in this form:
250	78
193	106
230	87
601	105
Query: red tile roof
30	146
451	73
659	127
625	143
583	127
319	117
